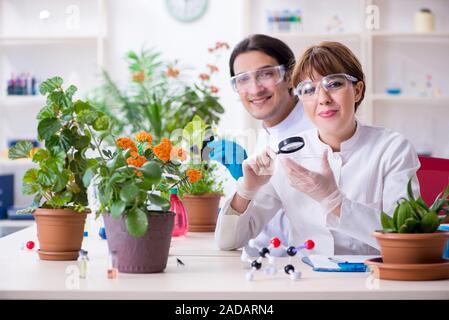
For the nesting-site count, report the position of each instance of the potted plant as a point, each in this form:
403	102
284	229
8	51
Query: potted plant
132	181
411	236
60	197
161	96
201	199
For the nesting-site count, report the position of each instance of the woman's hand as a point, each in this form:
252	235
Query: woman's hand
320	186
257	171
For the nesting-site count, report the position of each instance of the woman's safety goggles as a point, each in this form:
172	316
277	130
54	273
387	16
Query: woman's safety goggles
333	83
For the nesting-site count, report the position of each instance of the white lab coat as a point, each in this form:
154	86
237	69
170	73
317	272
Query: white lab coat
371	171
295	122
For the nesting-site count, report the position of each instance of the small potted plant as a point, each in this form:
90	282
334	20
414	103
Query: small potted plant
132	180
411	236
60	197
201	199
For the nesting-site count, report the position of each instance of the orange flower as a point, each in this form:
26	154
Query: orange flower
126	143
204	76
163	149
172	72
213	89
139	76
212	68
138	173
194	175
178	153
136	160
144	136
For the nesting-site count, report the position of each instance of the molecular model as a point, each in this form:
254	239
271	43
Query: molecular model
271	268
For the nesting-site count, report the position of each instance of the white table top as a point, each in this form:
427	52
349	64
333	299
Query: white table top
208	274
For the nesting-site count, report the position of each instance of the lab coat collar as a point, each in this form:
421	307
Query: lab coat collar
293	117
350	143
345	145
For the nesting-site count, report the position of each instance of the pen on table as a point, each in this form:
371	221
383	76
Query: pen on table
337	260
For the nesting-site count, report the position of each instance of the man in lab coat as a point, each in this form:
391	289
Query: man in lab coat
260	68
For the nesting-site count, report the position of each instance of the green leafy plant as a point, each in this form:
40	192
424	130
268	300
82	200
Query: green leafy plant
209	182
130	176
414	216
66	127
194	136
160	97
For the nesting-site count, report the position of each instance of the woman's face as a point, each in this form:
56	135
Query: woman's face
333	113
267	103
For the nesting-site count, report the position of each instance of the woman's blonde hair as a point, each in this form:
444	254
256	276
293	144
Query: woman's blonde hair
328	58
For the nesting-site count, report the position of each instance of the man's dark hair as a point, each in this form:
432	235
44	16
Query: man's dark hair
272	47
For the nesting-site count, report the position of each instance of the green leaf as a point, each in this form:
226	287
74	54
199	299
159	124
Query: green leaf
29	182
101	123
40	155
61	181
159	201
409	226
409	190
405	212
136	222
105	194
87	177
87	116
386	221
71	91
44	179
117	209
81	142
21	149
129	193
430	222
30	176
50	85
80	106
47	128
152	171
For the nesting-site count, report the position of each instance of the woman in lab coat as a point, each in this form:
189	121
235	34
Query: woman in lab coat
335	188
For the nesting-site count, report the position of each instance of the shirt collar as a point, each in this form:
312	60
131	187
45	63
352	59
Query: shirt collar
293	117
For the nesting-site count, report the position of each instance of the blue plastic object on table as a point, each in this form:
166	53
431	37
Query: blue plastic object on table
102	233
446	250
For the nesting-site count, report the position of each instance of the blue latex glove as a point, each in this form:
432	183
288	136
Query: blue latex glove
230	154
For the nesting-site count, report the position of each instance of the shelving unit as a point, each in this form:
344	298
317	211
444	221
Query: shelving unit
391	54
45	49
69	43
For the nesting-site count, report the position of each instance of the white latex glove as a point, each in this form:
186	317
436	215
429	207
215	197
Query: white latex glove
257	171
320	186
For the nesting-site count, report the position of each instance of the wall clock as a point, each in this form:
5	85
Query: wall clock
186	10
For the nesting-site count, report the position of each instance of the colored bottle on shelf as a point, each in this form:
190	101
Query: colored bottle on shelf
181	224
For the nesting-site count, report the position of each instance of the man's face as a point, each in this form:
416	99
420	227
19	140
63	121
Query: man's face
263	102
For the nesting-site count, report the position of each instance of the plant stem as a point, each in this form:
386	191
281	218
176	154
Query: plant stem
96	144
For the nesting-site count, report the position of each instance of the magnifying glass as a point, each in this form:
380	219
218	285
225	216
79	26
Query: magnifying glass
290	145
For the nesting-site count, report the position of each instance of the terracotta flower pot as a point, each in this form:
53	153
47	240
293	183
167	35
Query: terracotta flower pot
412	248
60	233
146	254
202	211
